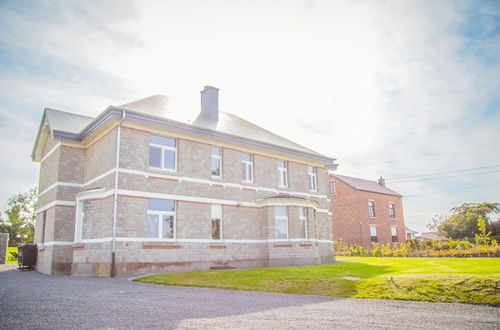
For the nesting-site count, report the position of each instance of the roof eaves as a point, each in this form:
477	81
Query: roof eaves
40	129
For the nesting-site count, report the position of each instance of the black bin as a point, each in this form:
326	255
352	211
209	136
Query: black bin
26	256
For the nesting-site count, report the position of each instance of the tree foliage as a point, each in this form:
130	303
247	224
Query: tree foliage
463	222
18	218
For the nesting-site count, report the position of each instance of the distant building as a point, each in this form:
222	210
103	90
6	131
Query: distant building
410	233
432	236
365	212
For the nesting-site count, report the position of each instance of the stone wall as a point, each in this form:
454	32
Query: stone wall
4	243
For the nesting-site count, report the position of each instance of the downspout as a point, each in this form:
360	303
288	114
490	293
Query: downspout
115	197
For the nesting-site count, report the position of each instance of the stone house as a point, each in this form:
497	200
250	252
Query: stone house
366	212
134	191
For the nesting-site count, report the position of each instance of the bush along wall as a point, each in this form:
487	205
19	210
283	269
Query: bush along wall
414	248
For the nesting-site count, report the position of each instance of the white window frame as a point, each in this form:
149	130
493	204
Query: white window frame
248	167
303	213
219	158
333	187
160	214
312	174
163	148
281	217
393	210
212	217
371	209
283	174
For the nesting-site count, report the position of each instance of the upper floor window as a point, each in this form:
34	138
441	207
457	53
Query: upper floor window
216	162
394	234
373	234
371	209
333	188
216	220
247	167
311	171
303	221
161	218
282	173
281	222
392	212
163	152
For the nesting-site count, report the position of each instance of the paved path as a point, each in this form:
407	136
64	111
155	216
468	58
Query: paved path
30	300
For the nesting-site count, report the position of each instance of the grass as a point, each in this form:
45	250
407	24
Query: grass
471	280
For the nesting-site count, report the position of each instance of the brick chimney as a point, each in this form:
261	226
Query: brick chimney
210	102
381	181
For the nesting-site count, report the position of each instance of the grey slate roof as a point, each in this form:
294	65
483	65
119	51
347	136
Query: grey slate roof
158	107
66	121
366	185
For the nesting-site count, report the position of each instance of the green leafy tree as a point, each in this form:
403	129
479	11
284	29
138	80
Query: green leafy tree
464	219
18	218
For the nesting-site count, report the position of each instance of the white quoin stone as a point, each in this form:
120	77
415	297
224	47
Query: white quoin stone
210	102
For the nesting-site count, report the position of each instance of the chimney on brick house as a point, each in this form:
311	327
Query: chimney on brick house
210	102
381	181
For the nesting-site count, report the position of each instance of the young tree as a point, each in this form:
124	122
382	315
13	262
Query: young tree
483	237
464	219
18	218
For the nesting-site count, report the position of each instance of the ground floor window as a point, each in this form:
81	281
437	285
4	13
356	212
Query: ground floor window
281	222
394	234
303	212
373	234
160	221
216	220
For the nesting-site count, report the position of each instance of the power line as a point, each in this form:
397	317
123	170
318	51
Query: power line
438	173
455	190
443	177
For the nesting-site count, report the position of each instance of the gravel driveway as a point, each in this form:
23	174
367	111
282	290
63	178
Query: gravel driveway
30	300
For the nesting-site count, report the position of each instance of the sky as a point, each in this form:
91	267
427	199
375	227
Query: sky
389	88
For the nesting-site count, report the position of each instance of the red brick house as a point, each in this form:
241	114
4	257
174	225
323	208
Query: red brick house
365	211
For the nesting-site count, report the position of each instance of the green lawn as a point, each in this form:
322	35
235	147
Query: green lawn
467	280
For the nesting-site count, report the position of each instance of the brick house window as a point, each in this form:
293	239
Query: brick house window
373	234
281	222
163	153
216	162
247	167
392	212
371	209
160	221
311	172
216	221
303	221
394	234
333	188
282	174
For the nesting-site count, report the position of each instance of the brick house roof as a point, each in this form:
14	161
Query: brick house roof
366	185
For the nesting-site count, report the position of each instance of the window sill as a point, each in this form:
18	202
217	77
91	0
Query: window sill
282	245
160	245
78	246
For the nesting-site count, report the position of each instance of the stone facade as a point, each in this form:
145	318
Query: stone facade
351	220
88	226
